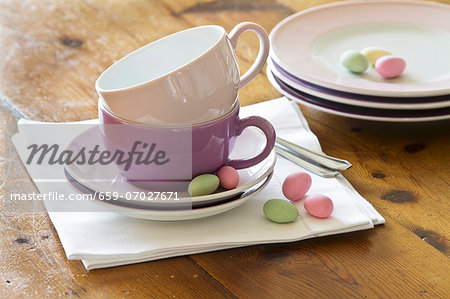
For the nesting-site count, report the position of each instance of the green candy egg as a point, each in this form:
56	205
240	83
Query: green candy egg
354	61
280	211
203	184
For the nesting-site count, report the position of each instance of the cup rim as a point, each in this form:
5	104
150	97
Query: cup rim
234	107
136	52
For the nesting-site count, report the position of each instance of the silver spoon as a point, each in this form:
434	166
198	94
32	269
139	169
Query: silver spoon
318	158
319	170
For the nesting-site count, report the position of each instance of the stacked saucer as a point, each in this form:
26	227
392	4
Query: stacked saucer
115	193
304	62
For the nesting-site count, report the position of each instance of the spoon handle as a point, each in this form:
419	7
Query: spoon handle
319	170
322	159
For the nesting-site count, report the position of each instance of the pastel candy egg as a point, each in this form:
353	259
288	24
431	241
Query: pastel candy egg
318	205
373	53
390	66
354	61
228	177
203	184
296	185
280	211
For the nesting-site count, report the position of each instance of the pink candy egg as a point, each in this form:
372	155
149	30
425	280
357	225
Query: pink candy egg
296	185
228	176
390	66
318	205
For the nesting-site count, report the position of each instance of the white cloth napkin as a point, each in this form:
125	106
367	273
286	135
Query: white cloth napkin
103	239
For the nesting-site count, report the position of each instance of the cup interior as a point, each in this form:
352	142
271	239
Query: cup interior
102	107
160	58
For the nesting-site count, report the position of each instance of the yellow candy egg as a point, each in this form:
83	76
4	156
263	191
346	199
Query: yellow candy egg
373	53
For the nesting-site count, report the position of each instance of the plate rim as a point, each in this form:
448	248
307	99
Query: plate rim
270	76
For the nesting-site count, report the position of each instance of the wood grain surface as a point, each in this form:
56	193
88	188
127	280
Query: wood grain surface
51	53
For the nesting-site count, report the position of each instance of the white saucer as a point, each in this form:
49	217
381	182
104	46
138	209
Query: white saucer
106	179
308	45
178	215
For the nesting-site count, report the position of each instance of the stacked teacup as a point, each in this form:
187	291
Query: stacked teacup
172	106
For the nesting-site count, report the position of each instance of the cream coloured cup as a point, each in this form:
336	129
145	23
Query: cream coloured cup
185	78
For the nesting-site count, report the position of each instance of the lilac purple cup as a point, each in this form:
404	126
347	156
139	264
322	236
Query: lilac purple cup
174	154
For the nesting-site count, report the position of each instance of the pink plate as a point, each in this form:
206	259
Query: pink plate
308	45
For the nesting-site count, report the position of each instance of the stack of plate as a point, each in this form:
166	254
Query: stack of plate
304	62
112	191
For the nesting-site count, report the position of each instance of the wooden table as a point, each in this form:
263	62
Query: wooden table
51	52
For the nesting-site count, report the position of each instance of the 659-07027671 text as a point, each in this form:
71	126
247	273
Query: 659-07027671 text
131	196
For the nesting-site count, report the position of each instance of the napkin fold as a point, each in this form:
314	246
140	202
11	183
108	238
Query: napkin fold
105	239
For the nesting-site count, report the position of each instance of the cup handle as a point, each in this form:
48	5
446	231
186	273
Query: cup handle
263	49
266	127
